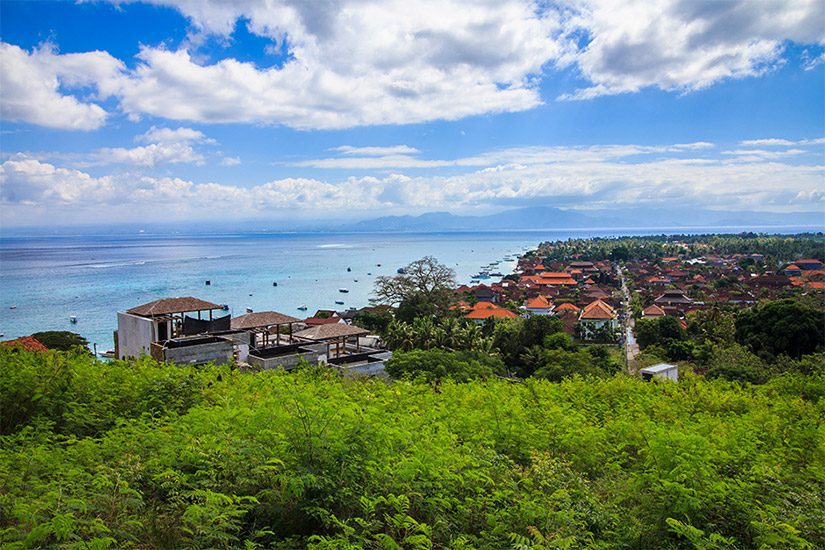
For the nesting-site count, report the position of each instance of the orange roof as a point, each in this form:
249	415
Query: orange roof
792	266
554	274
539	267
816	285
28	343
485	310
539	302
462	305
567	307
597	310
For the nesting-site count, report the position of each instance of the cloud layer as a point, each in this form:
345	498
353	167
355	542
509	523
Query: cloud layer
687	175
353	63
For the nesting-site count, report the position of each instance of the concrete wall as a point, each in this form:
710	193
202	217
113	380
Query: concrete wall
314	354
134	335
219	352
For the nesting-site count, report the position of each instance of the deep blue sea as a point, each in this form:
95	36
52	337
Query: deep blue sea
49	278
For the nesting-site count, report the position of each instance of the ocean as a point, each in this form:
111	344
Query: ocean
46	279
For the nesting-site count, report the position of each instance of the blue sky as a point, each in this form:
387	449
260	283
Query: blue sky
176	110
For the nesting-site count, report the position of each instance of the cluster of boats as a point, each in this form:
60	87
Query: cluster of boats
491	270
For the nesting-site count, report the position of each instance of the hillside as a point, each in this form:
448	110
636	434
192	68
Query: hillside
112	454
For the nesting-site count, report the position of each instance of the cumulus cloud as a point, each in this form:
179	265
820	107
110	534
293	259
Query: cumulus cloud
34	84
166	146
604	177
684	45
230	161
351	63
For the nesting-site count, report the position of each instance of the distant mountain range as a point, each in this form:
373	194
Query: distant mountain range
541	217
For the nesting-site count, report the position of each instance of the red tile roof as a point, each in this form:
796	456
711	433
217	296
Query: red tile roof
28	343
317	321
597	310
539	302
567	307
486	310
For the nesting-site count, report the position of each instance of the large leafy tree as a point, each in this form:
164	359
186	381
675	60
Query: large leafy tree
784	327
421	289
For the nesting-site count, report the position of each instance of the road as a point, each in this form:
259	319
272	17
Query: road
631	347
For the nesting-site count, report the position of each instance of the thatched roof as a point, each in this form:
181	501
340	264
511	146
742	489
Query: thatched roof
166	306
262	319
331	332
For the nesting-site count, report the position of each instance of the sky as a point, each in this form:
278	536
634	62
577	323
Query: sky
178	110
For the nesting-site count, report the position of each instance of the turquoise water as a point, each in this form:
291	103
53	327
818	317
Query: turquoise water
92	277
49	278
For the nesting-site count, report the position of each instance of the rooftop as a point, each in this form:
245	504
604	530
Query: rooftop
262	319
331	332
166	306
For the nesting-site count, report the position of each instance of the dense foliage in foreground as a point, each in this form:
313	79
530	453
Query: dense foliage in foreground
160	456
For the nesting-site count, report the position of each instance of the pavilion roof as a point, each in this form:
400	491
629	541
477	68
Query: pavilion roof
261	319
331	332
166	306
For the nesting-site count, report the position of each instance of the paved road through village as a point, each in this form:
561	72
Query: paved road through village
631	348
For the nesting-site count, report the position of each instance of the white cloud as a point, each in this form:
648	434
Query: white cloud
166	146
353	63
33	86
230	161
149	155
685	45
514	155
168	135
776	142
375	151
591	177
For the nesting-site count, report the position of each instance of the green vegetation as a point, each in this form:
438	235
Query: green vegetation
774	248
141	454
61	340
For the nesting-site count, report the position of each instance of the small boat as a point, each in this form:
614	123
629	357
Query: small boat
302	307
401	271
108	354
497	274
249	310
349	269
208	282
378	265
73	319
274	283
355	280
12	307
339	302
368	273
225	307
344	290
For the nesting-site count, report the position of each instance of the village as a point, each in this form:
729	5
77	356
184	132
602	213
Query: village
597	301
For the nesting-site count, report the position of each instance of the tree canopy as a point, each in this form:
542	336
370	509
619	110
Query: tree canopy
420	289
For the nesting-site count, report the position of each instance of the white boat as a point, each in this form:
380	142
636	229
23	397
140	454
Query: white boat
302	307
344	290
249	310
73	319
108	354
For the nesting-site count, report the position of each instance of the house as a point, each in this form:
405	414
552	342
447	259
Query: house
662	371
488	310
484	293
596	317
27	343
344	348
808	264
652	312
538	306
168	330
674	297
792	271
567	307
